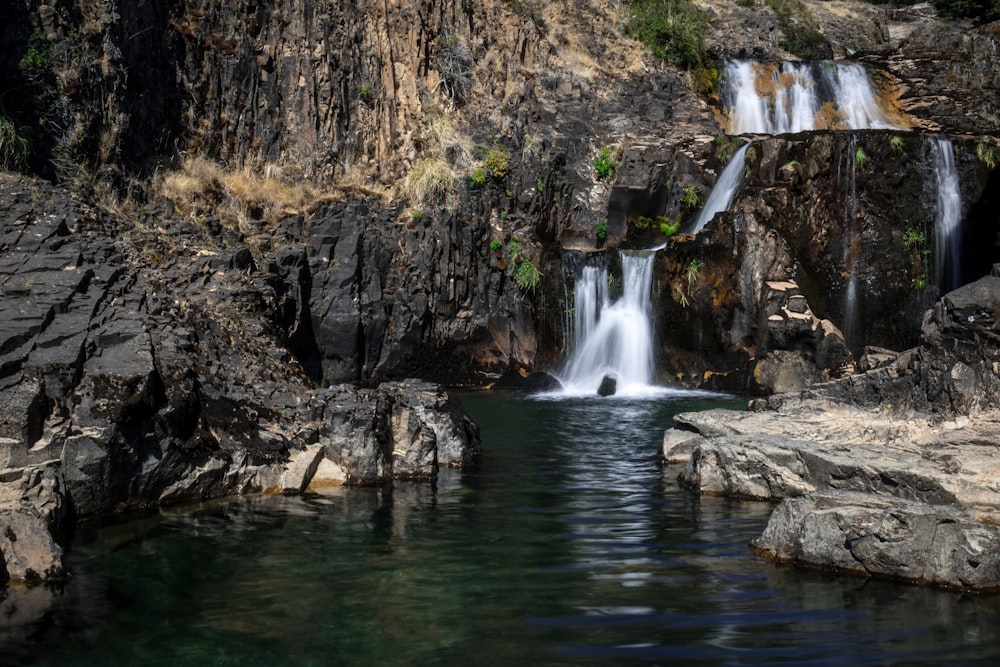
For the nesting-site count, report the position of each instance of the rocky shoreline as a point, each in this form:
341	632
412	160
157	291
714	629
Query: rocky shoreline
888	473
127	383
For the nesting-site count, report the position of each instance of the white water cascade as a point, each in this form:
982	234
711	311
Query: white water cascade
725	189
612	339
949	215
796	97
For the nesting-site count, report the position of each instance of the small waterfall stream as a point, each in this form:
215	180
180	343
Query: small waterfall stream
725	189
612	338
948	217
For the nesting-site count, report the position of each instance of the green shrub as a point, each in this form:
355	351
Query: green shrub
497	161
691	197
477	178
896	144
912	238
668	227
14	145
674	30
527	276
860	157
604	163
642	223
601	230
514	250
692	271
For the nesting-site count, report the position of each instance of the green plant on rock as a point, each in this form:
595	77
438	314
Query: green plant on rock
674	30
642	223
497	161
604	163
912	238
668	227
749	159
691	197
514	249
477	178
14	145
725	147
365	91
495	245
860	158
896	144
601	230
540	185
527	276
986	153
693	269
416	215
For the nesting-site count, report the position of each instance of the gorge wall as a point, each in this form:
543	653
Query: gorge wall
448	143
244	206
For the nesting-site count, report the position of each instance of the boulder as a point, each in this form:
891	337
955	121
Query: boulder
882	536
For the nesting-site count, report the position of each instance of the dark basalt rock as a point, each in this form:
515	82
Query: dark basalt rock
131	381
608	387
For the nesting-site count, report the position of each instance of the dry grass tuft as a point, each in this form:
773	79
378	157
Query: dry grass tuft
430	180
236	197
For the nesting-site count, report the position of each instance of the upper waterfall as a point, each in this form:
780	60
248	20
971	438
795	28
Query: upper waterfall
799	96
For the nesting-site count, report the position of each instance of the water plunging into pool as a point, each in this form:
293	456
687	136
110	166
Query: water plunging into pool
612	339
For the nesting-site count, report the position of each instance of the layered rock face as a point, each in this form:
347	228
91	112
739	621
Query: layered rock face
890	472
132	380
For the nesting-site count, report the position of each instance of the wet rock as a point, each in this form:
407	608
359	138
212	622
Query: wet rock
608	386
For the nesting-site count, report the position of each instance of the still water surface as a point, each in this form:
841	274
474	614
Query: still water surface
570	546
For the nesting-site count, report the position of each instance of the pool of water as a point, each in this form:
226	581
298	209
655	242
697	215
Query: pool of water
570	546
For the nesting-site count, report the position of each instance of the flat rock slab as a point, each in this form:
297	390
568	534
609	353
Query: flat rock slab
885	537
786	453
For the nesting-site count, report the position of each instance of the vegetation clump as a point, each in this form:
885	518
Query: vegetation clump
601	231
691	197
428	181
14	145
674	30
604	163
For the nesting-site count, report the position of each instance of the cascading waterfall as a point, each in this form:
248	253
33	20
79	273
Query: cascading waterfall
949	215
612	339
725	189
768	99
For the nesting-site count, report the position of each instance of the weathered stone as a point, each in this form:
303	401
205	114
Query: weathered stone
885	537
28	552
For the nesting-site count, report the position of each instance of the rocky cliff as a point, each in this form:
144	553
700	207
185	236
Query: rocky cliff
247	205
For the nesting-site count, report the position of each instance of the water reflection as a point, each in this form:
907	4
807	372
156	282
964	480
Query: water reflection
570	547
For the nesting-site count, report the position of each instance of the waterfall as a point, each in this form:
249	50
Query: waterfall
725	189
612	339
767	99
949	215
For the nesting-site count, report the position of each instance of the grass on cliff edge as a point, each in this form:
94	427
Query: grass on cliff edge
236	197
